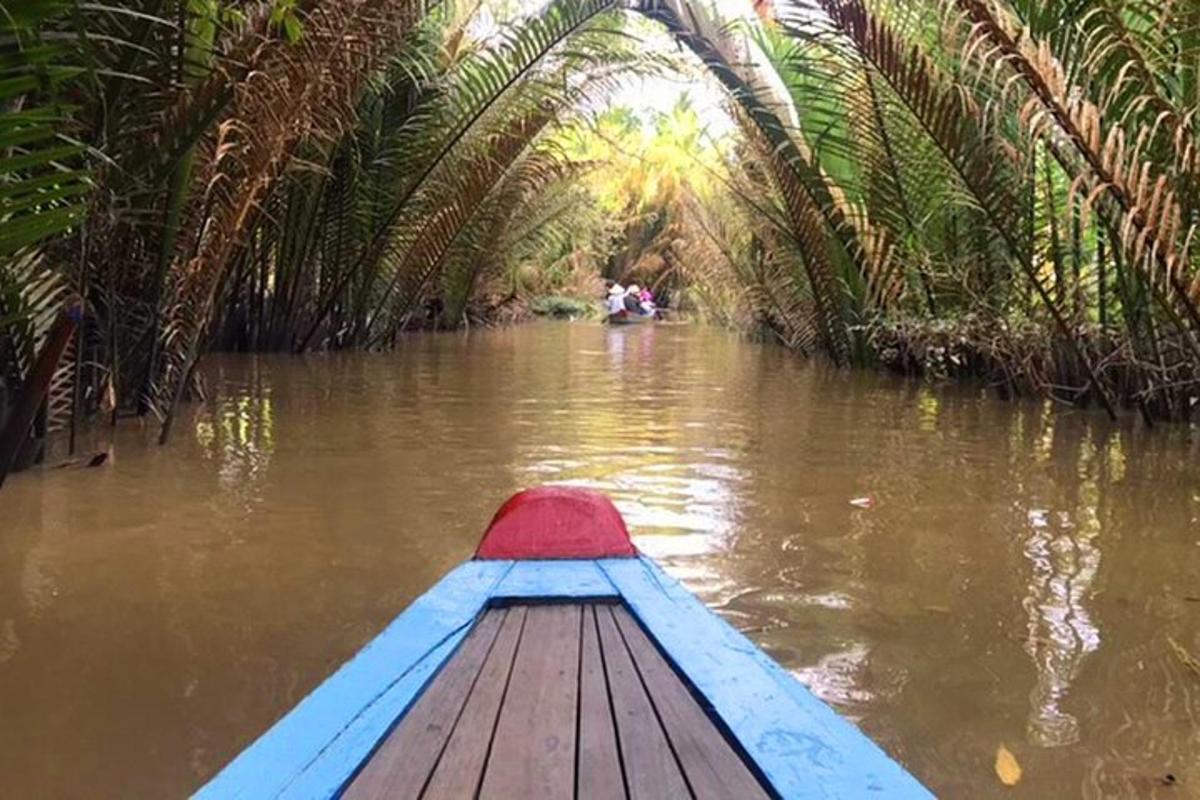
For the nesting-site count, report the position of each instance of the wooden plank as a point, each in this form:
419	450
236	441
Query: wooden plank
712	768
460	768
321	742
404	762
801	745
599	775
651	770
533	751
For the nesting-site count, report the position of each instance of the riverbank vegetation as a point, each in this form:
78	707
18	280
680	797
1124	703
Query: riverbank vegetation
999	190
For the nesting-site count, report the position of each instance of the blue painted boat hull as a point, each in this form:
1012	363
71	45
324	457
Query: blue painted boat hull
800	746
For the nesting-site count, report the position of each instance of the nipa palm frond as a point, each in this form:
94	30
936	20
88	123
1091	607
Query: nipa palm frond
299	91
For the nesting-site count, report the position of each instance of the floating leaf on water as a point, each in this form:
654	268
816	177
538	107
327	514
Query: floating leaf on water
1007	768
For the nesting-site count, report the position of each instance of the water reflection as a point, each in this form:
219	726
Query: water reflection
837	677
649	451
1060	631
1063	549
238	432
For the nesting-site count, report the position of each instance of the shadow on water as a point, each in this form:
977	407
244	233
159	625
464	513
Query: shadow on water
1017	578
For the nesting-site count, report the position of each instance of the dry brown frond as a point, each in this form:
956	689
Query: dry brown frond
290	93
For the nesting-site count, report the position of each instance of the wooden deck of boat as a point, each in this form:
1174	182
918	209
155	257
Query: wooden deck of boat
556	701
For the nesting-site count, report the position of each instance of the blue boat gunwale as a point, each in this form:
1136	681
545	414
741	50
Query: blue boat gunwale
797	745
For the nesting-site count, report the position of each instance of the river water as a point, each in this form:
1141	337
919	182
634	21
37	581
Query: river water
1019	578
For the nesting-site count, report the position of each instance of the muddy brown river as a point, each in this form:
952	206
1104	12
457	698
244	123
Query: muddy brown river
1022	576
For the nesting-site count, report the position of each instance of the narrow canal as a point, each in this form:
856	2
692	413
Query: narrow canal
1019	577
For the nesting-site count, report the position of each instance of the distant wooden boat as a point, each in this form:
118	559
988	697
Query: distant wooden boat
630	318
560	663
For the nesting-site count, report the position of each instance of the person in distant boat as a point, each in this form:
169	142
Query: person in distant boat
616	298
631	299
646	301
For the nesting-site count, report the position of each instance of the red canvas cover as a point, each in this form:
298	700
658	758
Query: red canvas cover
556	522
